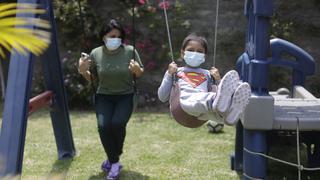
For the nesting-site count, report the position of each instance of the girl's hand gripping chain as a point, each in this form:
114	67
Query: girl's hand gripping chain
214	72
172	68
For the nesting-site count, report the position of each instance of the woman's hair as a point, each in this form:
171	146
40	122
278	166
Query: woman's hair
113	24
195	37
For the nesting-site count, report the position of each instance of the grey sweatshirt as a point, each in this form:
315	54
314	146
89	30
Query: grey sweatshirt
195	97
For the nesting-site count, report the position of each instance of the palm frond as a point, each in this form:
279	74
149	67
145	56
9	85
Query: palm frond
11	9
14	31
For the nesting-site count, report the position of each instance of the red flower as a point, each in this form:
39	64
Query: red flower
126	42
128	29
164	4
151	65
140	45
142	2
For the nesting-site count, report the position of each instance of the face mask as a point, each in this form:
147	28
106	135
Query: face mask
193	59
112	43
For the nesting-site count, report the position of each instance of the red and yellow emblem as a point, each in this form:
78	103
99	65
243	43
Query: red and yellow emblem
193	78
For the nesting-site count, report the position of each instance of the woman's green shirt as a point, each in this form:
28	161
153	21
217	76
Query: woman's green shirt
111	68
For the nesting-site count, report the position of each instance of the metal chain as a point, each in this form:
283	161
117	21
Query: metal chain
133	32
215	34
168	29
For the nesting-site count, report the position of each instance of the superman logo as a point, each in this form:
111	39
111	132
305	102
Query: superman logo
193	78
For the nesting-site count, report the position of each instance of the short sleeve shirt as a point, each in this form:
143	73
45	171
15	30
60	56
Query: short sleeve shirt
111	69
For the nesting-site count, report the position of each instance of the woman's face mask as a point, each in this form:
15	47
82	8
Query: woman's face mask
193	59
112	43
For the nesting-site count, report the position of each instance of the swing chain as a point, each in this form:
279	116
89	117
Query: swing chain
215	34
168	29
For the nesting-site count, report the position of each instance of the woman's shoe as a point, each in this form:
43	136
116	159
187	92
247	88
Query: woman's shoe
114	172
106	165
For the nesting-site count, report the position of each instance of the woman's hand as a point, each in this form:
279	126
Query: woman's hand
172	68
135	68
214	72
84	64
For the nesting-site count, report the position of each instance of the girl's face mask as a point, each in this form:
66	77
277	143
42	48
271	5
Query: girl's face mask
193	59
112	43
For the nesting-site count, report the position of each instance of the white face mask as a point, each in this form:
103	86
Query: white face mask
112	43
193	59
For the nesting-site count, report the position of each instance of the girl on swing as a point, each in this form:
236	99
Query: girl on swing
197	97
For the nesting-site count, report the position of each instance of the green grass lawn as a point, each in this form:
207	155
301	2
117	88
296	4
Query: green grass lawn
156	147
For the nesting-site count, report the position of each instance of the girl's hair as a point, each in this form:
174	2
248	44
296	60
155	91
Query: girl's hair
195	37
113	24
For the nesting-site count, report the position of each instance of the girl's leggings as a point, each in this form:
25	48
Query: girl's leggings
113	113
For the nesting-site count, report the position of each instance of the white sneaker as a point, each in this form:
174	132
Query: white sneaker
226	88
239	102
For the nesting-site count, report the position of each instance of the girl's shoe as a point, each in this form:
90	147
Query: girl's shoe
239	102
106	165
114	171
226	88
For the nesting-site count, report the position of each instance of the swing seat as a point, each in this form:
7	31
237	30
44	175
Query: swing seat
178	113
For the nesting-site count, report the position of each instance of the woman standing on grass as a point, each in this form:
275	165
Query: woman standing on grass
113	68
